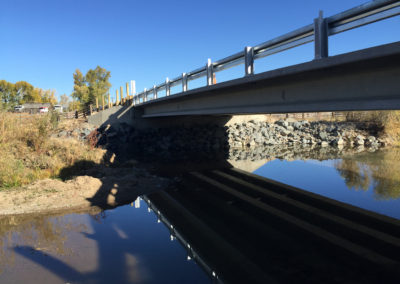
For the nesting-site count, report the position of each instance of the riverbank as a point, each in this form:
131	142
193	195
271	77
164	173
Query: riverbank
51	165
99	187
71	173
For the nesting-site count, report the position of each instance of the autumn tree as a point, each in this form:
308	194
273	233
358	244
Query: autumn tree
95	84
48	96
64	100
7	94
22	92
25	92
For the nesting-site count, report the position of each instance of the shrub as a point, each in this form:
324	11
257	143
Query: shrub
28	153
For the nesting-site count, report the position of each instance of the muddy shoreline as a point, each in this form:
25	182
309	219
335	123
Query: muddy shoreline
98	188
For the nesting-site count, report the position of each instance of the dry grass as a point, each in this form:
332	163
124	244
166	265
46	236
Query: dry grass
387	123
29	154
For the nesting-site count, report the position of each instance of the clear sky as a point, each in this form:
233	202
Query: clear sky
44	41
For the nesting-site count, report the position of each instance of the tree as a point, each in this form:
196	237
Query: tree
64	100
48	96
74	105
7	94
25	92
95	84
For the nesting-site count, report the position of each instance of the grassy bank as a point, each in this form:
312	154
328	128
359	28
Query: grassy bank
29	153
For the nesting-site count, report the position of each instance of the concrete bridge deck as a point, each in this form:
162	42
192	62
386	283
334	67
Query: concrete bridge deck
362	80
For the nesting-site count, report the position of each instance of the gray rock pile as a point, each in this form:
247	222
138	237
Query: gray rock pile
292	132
211	139
81	132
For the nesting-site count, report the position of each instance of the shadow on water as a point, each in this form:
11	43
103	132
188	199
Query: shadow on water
113	264
108	248
33	238
242	241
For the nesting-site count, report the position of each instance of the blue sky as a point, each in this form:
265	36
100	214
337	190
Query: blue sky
44	41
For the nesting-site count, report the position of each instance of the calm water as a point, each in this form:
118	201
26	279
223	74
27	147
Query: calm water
367	180
129	244
124	245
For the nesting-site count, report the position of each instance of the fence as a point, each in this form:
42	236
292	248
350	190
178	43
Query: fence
92	109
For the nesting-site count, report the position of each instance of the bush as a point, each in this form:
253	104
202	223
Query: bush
28	153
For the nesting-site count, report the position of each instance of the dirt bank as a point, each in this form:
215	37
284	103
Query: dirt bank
101	187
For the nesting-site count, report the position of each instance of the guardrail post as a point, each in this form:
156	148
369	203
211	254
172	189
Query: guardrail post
167	87
128	97
154	92
133	87
145	95
184	82
248	60
133	91
122	95
116	97
210	72
321	37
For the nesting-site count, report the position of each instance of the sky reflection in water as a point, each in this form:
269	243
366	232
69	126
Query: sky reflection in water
124	245
368	180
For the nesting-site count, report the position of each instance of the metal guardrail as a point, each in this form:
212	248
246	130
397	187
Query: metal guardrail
174	234
318	31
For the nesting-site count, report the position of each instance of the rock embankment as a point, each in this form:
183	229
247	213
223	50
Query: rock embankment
293	132
79	131
213	139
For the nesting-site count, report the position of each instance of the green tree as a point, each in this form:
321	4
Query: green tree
95	84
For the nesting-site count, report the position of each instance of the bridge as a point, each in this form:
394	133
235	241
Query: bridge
302	234
366	79
362	80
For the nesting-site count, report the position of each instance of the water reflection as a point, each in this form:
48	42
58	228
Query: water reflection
365	178
123	245
379	170
250	159
36	232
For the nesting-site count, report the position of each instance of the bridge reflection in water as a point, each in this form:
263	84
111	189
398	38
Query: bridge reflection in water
242	228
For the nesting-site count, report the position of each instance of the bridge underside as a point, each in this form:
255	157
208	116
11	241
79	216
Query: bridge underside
368	79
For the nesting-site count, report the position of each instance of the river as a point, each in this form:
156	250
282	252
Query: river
137	243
